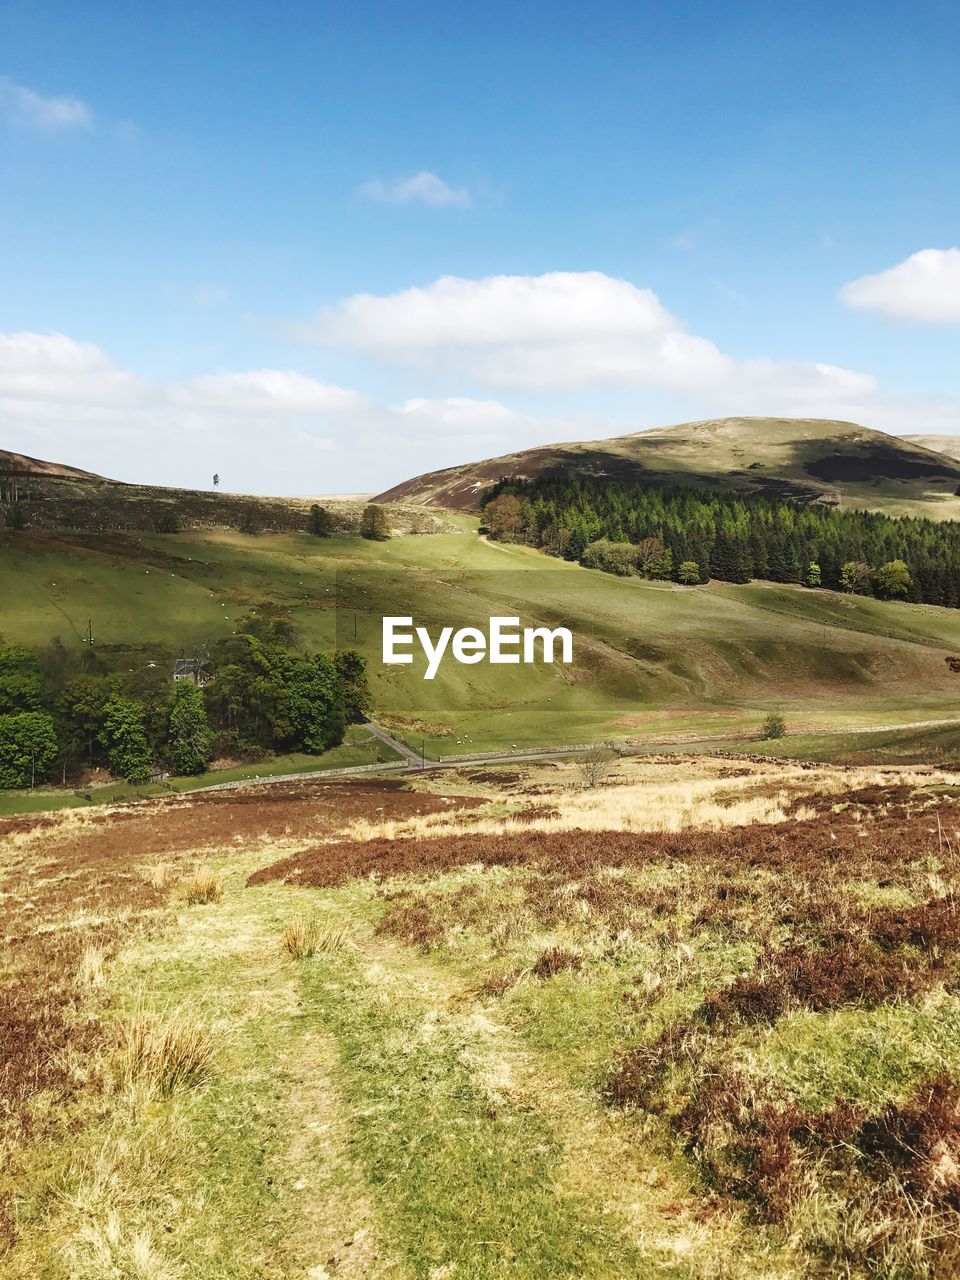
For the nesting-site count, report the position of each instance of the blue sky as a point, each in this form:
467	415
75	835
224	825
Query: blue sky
227	232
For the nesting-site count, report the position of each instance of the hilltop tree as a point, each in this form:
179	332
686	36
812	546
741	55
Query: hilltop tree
28	746
321	521
892	580
375	524
124	735
191	742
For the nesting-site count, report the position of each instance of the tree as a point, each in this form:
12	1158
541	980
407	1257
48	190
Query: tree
16	518
611	557
315	697
28	746
654	560
689	573
502	517
191	742
352	670
813	578
374	524
21	679
774	726
855	576
321	521
83	705
892	580
125	737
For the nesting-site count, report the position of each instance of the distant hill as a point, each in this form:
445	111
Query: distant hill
949	446
19	464
813	460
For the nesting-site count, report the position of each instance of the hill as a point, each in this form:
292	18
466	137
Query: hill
19	464
949	446
63	498
652	660
812	460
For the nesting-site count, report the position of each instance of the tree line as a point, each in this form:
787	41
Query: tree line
691	536
262	696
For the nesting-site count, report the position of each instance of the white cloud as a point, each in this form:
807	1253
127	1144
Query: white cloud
926	287
26	109
262	390
562	331
422	188
264	429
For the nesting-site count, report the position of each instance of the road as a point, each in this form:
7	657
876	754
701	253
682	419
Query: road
411	761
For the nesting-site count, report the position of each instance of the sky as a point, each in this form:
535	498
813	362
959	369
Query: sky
321	247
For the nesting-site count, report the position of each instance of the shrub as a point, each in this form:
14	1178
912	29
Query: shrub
774	727
201	888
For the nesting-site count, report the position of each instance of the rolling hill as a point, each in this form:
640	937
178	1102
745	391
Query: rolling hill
19	464
813	460
949	446
652	660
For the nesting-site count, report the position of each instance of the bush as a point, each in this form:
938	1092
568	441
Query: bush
774	727
612	557
201	888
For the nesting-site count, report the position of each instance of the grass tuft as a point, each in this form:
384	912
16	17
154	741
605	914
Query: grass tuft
165	1054
202	887
306	936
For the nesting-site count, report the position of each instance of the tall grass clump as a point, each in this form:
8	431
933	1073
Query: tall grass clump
165	1054
305	936
202	887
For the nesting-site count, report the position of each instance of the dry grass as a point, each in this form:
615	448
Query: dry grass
306	936
165	1055
102	1250
706	794
90	974
158	875
202	887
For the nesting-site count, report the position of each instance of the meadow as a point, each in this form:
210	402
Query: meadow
663	1016
653	661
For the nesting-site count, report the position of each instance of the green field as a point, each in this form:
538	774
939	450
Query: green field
652	660
357	749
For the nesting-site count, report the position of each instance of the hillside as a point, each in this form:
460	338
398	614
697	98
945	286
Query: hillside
19	464
651	659
62	498
949	446
838	463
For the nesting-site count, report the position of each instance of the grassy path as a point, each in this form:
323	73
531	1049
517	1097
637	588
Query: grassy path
367	1115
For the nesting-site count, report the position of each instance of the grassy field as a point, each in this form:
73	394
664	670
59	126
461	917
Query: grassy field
690	1018
357	749
652	660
